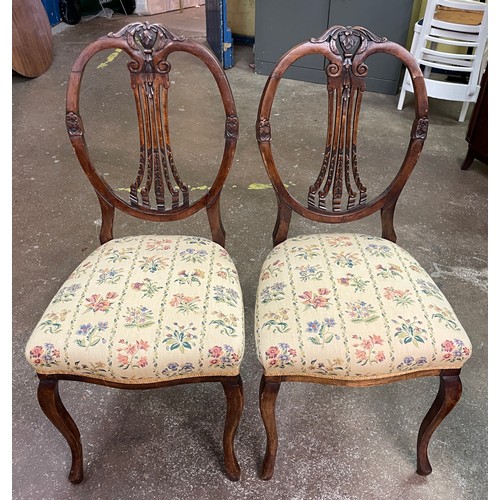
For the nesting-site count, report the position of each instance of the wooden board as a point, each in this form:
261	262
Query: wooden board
458	16
31	38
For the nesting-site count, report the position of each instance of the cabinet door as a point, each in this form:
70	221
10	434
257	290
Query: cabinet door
389	18
219	35
280	25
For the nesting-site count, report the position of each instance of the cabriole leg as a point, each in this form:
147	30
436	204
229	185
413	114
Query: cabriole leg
450	390
233	389
52	406
269	388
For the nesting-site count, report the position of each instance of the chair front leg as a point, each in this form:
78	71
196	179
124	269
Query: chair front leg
233	389
450	390
269	388
52	406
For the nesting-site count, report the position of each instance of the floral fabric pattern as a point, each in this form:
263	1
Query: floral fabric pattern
145	309
349	306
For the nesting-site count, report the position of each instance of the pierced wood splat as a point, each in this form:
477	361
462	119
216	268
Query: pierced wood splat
338	194
149	75
345	84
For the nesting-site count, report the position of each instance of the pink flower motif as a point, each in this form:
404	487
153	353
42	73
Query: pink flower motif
143	344
313	300
176	300
448	345
366	344
361	355
131	349
123	360
36	352
142	362
97	303
215	351
272	352
380	356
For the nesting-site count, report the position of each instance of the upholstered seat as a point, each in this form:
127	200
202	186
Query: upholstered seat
145	309
351	306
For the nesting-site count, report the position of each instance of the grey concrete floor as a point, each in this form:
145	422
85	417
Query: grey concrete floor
335	443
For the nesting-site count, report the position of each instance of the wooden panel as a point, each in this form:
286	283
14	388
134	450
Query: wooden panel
31	38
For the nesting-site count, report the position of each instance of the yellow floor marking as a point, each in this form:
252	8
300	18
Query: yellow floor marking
257	185
110	58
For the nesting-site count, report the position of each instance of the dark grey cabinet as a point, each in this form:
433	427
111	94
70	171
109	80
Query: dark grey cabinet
282	24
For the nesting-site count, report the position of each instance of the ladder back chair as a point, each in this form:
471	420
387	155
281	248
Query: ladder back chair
452	38
146	311
346	308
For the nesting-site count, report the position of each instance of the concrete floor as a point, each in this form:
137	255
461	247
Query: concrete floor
336	443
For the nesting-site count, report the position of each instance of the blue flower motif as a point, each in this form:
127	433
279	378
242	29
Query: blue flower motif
84	329
313	326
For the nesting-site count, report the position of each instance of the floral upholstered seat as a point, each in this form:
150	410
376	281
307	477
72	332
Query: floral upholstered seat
352	306
144	309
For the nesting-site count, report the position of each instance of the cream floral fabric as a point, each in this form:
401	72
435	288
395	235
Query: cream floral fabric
352	306
144	309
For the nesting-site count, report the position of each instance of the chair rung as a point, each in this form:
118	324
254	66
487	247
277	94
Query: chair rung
449	41
466	58
449	67
453	27
458	35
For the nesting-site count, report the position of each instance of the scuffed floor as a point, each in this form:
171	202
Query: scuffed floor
335	443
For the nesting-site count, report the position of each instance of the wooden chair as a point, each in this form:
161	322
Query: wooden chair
345	308
148	311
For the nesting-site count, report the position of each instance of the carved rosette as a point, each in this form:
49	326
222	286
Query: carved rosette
74	124
264	130
232	127
420	131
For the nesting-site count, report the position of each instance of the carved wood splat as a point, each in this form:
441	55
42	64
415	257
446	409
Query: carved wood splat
345	85
149	76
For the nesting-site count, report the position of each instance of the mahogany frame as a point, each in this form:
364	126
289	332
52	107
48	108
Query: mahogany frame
149	46
346	49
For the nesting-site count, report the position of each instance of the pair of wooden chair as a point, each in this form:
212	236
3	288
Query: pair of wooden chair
150	311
